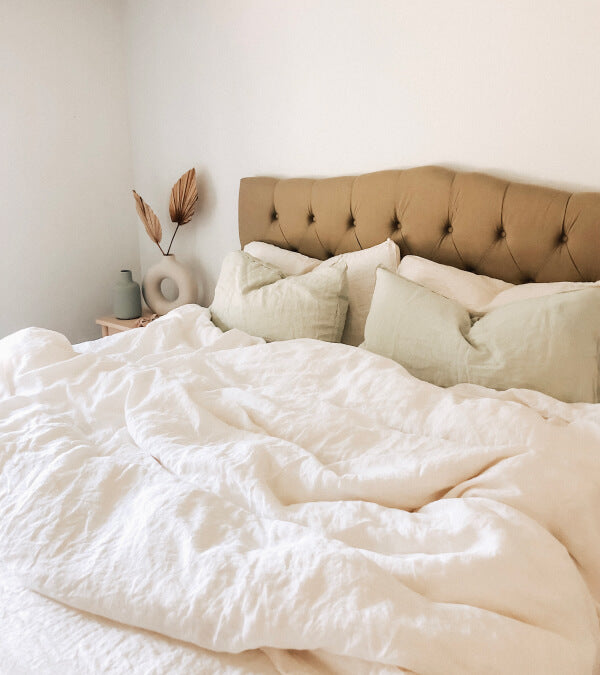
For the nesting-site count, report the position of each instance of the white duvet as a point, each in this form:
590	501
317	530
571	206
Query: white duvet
200	502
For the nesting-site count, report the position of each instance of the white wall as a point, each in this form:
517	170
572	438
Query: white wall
246	87
67	219
329	87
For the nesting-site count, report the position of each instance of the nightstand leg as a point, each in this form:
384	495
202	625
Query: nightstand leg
104	331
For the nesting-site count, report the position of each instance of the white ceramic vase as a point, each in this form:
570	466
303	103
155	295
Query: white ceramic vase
180	275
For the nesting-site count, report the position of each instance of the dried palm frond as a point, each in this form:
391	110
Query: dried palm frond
148	217
184	196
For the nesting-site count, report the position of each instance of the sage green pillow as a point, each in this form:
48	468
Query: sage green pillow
260	299
549	344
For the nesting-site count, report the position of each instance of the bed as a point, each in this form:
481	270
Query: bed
183	499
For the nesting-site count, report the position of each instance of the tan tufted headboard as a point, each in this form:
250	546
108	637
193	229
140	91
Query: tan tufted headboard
473	221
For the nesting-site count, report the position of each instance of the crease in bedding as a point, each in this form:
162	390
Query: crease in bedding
309	506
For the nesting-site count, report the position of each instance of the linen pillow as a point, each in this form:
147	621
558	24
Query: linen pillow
549	344
476	292
361	276
261	300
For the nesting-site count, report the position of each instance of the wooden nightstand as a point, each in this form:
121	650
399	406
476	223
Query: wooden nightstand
110	325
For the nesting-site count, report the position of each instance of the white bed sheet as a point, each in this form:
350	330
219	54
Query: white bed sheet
310	505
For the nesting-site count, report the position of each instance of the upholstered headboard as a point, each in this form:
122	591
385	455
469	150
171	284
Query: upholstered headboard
473	221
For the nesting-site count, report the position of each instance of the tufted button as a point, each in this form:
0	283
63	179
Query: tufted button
398	224
312	218
353	222
274	215
502	233
564	239
449	228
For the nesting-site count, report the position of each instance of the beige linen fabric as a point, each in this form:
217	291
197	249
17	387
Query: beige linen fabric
261	300
549	344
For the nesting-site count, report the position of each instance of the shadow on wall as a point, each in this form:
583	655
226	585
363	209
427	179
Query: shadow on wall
206	202
517	177
206	195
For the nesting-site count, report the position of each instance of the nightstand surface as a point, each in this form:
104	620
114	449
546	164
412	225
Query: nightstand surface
111	325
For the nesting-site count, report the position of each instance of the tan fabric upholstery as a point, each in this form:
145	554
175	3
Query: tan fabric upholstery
473	221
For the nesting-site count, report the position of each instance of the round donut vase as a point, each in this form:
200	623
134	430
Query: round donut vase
180	275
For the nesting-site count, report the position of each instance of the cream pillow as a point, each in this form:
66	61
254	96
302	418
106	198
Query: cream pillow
289	262
475	292
261	300
361	266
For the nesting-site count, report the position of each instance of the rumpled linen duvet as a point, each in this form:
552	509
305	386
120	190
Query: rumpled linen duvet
181	500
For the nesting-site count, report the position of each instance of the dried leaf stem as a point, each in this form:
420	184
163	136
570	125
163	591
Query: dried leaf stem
171	242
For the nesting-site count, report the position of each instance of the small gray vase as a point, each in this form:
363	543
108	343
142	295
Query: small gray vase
127	301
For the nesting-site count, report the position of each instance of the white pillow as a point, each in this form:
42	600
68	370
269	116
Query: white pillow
475	292
288	262
361	266
261	300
